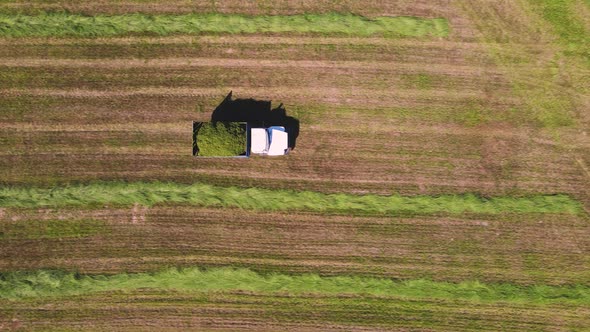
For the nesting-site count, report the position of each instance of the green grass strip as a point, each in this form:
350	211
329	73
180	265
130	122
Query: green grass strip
151	193
18	285
73	25
562	16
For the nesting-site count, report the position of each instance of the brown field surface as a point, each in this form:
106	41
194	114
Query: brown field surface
546	249
240	311
497	108
371	123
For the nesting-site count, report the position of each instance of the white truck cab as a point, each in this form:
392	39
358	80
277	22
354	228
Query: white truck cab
272	141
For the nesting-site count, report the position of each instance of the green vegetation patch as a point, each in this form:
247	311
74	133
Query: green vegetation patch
127	194
65	25
419	81
570	28
51	229
16	285
220	139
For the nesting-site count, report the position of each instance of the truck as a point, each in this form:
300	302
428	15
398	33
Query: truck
238	139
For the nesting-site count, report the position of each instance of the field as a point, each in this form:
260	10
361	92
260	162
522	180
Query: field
440	181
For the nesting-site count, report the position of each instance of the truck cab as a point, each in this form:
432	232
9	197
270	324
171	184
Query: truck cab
271	141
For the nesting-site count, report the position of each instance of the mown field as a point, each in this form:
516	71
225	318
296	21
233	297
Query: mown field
440	181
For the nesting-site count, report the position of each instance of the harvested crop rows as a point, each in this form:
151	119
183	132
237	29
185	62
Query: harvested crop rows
334	97
170	311
498	109
551	249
